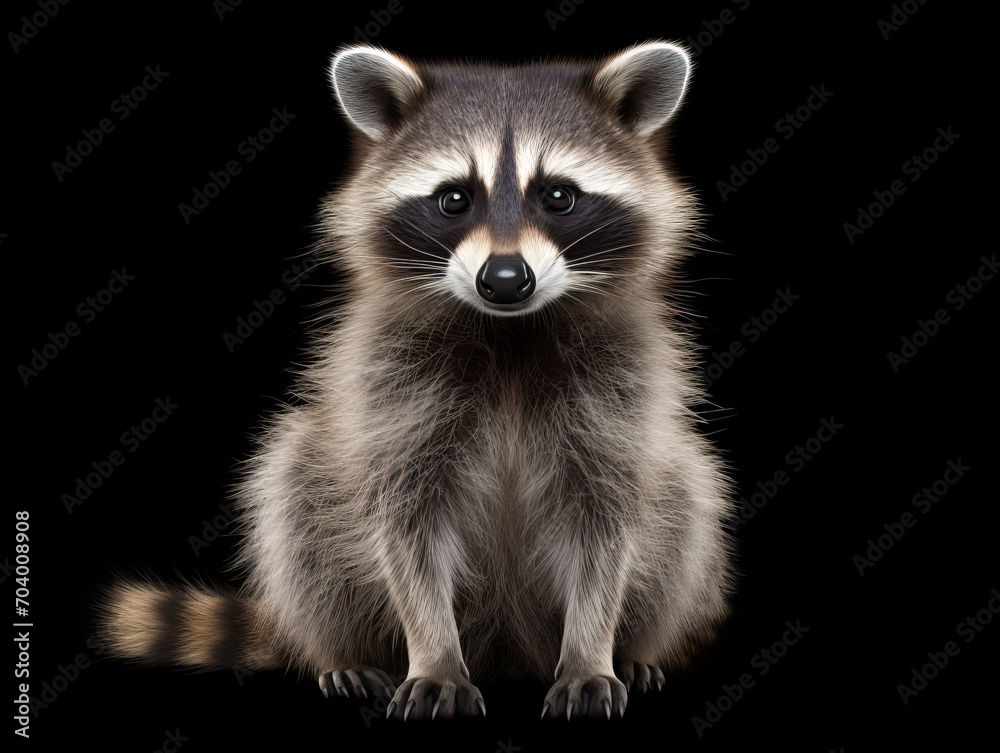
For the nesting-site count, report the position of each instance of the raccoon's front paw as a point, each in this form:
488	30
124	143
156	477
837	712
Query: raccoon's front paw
431	698
357	682
597	696
644	676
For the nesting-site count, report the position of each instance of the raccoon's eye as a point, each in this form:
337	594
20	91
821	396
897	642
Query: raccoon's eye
558	199
453	202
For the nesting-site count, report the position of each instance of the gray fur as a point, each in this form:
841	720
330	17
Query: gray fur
462	493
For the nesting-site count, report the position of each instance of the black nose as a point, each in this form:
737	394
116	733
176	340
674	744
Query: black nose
506	280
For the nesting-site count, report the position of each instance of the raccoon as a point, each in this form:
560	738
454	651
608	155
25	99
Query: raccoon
494	464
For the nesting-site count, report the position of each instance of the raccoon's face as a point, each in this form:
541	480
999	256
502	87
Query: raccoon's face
509	188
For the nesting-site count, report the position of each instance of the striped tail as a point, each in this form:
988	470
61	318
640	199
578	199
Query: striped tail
186	625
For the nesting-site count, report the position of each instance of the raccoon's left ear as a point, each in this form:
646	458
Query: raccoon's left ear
374	87
644	84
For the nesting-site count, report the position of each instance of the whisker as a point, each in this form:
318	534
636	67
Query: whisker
583	286
414	248
596	273
429	281
594	262
602	252
425	267
401	261
434	260
418	301
586	236
421	231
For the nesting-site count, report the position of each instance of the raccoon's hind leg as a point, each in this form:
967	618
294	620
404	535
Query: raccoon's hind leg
643	676
357	682
673	615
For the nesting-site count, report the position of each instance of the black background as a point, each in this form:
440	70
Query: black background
826	357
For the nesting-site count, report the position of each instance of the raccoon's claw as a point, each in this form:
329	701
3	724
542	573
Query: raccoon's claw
325	685
642	675
356	683
594	696
429	698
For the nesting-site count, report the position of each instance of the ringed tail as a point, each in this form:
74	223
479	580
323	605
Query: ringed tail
188	626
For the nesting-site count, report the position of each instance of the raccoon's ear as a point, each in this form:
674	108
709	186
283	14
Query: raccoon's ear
644	84
374	88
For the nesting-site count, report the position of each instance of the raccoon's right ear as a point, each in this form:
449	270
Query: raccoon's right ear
374	88
644	84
